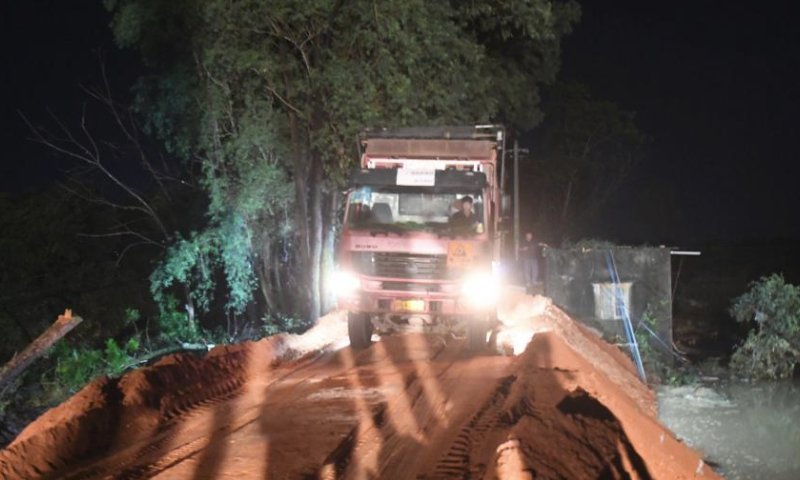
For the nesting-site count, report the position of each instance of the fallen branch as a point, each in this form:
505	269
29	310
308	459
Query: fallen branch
37	348
184	347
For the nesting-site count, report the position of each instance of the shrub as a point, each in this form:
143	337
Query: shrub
275	324
772	350
650	356
75	367
175	324
660	368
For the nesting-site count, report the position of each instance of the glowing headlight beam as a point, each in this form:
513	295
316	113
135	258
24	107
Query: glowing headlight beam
345	284
480	290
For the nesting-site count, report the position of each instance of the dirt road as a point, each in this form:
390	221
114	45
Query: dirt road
409	407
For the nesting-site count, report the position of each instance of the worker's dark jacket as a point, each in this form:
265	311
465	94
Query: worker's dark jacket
461	222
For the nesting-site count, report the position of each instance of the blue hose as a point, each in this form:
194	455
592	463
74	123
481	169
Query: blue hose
626	319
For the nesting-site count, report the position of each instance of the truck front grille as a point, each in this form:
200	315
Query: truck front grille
403	265
411	286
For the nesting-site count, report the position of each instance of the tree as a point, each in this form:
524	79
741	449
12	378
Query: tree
278	90
772	350
584	150
145	196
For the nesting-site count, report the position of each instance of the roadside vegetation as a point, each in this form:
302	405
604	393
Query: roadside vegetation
772	348
199	203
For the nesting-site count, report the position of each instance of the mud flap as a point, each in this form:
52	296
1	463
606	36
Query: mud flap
359	329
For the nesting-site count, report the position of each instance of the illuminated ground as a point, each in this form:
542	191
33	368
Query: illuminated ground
410	407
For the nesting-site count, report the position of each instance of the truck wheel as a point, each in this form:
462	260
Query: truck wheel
359	329
476	333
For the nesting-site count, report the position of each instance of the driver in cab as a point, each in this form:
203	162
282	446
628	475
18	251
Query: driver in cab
464	218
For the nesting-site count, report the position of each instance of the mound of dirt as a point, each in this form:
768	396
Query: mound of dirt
568	418
569	406
110	414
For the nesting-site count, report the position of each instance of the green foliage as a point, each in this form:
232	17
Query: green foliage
77	366
132	316
226	246
648	322
187	262
273	325
47	267
659	367
7	395
772	350
261	94
174	324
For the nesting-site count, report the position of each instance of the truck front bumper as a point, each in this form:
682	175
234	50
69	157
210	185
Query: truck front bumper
409	304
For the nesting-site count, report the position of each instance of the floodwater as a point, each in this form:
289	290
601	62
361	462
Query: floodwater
747	431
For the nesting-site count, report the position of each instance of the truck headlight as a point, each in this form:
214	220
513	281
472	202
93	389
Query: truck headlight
480	290
345	284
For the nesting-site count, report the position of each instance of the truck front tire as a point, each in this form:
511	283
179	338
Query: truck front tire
359	329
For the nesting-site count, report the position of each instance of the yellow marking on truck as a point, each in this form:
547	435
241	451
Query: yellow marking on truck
460	254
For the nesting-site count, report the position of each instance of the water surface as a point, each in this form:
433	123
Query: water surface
751	431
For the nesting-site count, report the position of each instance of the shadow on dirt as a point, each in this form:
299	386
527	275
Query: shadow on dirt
561	430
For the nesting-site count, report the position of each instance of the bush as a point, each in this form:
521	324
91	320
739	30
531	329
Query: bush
650	356
275	324
659	367
75	367
772	350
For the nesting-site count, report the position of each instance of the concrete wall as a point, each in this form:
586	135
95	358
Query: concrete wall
569	275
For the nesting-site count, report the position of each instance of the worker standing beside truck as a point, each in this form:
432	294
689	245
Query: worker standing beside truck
529	254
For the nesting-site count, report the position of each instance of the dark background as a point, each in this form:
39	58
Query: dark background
714	85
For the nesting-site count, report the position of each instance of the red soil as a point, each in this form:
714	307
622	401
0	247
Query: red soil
411	406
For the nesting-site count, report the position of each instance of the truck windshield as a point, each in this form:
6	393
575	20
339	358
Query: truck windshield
399	209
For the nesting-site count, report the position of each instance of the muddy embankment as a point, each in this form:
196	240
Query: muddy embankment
411	406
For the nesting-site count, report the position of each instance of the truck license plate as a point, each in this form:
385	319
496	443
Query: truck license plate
408	305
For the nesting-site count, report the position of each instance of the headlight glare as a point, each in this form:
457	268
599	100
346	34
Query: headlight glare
479	290
345	284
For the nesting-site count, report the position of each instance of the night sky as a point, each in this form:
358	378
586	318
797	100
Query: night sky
716	86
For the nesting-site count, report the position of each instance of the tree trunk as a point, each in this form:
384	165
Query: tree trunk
316	238
264	277
189	306
279	291
301	212
328	252
39	347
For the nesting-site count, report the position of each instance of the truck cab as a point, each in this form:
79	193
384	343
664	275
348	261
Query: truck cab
420	234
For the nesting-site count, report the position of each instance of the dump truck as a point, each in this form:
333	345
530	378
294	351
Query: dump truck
421	238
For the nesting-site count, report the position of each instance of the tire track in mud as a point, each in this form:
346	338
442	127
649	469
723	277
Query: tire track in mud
460	443
409	407
458	461
336	464
127	465
176	410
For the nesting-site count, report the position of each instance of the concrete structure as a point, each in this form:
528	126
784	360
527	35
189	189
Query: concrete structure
577	280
